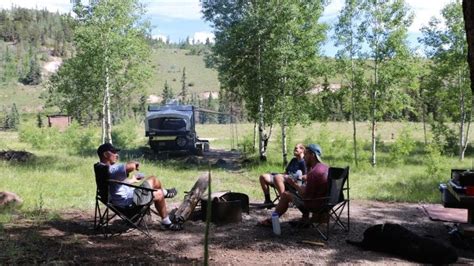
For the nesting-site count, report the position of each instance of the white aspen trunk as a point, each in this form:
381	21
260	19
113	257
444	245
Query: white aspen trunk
374	95
262	138
373	159
103	119
108	117
354	128
255	134
284	147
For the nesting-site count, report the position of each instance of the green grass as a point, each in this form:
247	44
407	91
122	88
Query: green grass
169	64
57	180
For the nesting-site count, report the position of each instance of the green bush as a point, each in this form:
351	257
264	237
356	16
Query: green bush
40	138
402	147
80	140
246	145
124	134
433	160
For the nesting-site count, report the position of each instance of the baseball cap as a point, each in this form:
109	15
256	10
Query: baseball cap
106	147
316	149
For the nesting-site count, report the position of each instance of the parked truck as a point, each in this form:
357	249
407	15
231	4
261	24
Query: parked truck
171	128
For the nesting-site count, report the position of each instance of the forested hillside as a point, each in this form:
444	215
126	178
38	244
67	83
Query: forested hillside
29	37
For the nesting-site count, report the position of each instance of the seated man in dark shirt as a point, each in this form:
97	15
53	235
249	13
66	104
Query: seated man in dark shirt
296	170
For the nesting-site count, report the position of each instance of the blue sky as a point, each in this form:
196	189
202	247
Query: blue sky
178	19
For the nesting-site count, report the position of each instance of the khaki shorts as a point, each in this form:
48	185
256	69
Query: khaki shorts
141	196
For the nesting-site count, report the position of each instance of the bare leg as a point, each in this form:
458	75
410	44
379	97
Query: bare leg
159	197
265	180
279	183
282	206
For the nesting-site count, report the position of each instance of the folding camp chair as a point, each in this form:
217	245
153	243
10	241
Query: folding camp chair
135	216
332	206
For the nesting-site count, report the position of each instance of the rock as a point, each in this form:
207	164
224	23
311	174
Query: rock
19	156
9	199
221	163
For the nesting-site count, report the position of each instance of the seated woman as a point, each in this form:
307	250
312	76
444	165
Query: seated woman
295	170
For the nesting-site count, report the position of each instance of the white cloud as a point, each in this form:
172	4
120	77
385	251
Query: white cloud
424	11
333	8
202	36
181	9
63	6
160	37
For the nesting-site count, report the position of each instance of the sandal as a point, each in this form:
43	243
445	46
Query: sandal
265	223
172	192
172	227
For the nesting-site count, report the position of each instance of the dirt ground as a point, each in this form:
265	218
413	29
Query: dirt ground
72	240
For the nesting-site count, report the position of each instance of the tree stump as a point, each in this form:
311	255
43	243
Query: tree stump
191	199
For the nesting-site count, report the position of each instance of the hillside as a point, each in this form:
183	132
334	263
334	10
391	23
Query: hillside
168	66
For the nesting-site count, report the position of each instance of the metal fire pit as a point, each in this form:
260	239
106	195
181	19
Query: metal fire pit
226	207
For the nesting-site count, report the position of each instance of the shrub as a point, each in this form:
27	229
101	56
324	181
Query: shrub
40	138
433	160
246	145
80	140
402	147
124	134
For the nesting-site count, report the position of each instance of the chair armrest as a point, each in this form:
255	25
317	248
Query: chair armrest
130	185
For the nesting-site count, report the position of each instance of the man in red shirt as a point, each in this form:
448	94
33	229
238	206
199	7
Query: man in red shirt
316	185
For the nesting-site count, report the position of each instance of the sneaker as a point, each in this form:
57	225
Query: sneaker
172	192
172	227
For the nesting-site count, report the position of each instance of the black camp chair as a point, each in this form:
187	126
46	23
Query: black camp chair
332	206
135	216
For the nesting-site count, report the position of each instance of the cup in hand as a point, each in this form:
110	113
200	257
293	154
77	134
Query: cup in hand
139	176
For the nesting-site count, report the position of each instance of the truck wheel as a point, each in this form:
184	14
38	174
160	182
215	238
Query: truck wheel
198	151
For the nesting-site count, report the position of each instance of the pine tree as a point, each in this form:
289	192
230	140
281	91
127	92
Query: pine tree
167	93
13	119
211	118
223	104
184	88
33	77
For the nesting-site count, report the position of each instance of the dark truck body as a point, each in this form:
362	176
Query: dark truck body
171	128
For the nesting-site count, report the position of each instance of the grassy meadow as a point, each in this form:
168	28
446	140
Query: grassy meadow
60	178
168	66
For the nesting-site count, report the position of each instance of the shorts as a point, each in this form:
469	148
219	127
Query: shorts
296	198
141	196
272	177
